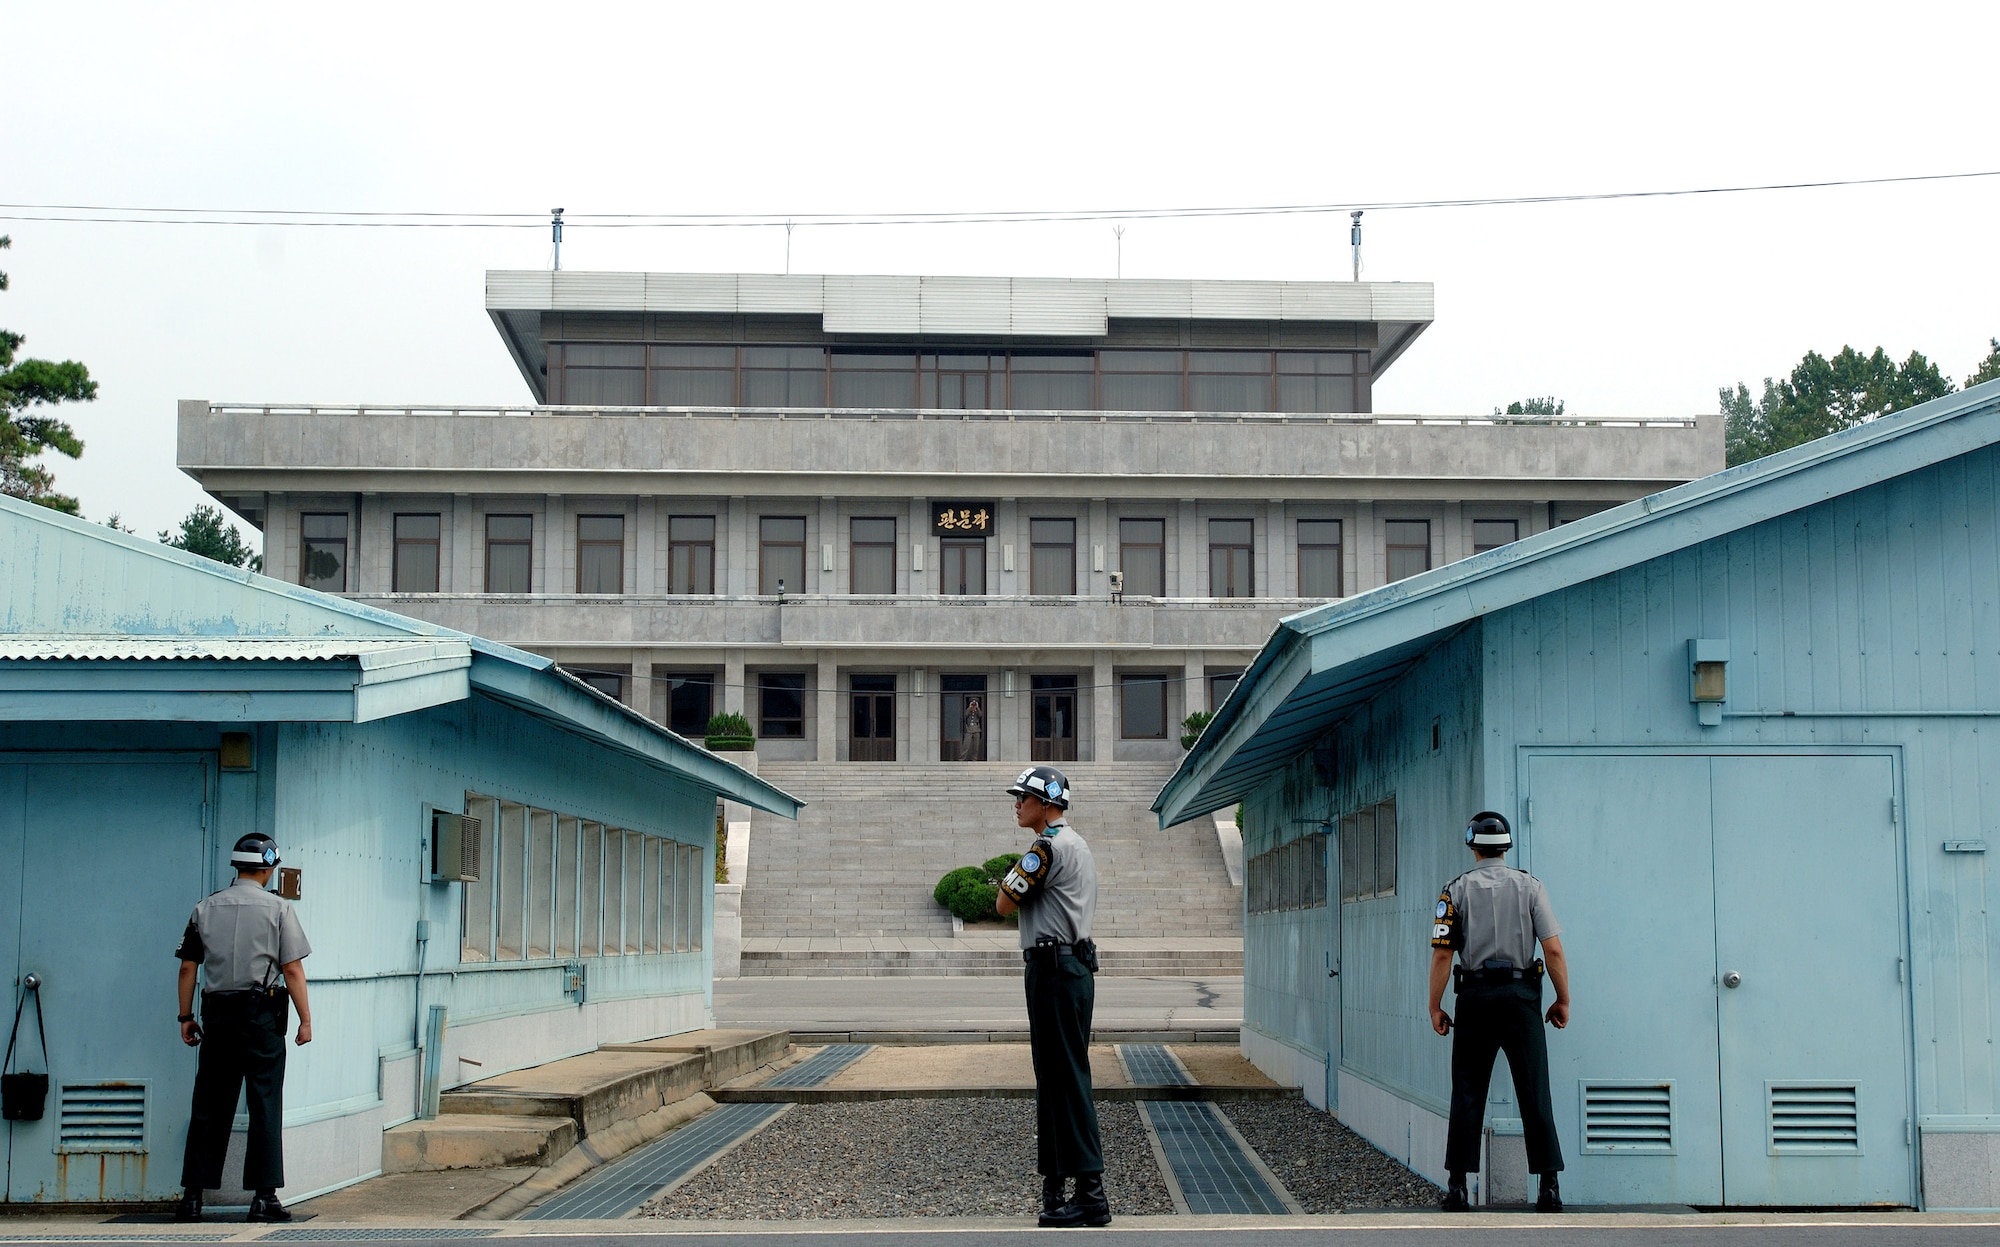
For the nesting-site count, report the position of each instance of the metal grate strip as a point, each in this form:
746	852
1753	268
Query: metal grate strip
1628	1117
1153	1065
1212	1170
1823	1117
117	1238
330	1234
820	1066
630	1181
101	1117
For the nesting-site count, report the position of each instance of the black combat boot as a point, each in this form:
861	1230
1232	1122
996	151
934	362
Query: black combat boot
1550	1199
264	1206
189	1207
1053	1196
1455	1198
1089	1206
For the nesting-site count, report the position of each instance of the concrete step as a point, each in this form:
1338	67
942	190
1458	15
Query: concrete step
887	964
596	1090
725	1054
477	1141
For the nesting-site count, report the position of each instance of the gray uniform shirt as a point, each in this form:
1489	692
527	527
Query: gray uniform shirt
242	935
1064	902
1494	912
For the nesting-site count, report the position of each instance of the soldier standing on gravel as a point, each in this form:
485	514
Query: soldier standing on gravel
1054	888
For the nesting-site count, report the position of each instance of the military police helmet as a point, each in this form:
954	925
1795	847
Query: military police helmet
1489	830
1044	783
255	852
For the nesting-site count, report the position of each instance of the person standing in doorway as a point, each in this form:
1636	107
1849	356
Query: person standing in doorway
1054	888
249	950
972	743
1492	917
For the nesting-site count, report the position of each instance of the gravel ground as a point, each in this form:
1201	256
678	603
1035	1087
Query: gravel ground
1326	1166
907	1158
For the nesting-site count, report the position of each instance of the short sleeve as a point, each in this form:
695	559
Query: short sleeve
292	942
1447	931
1029	875
1543	915
191	947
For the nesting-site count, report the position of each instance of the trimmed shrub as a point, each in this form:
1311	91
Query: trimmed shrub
968	894
729	732
997	867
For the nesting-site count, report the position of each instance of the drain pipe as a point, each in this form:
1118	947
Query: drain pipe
417	1015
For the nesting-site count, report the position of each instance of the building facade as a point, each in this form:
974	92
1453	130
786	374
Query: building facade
914	519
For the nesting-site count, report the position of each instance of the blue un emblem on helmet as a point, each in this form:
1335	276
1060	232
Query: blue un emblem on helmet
1053	788
270	856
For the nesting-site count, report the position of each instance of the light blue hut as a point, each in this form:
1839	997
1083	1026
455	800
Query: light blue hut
1748	730
154	706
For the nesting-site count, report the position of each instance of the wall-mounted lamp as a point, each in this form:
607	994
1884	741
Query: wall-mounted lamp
1708	679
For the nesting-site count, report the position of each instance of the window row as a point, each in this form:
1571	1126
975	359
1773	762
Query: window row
556	887
638	375
1368	852
1291	876
874	560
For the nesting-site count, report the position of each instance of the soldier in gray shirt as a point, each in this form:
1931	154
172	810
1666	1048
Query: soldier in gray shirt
249	951
1493	916
1054	888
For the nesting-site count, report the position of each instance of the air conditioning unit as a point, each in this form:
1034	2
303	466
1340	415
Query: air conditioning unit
454	848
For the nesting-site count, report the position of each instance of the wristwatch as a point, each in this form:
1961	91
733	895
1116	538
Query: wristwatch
185	1017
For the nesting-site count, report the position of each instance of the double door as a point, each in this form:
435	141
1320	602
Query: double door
1054	736
872	718
1734	928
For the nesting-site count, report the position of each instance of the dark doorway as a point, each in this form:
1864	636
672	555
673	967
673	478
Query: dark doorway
690	702
962	726
1055	718
964	570
872	721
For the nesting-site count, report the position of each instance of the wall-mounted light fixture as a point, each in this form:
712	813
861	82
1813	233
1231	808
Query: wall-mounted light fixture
1708	679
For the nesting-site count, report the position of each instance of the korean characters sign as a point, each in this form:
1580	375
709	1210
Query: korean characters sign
961	519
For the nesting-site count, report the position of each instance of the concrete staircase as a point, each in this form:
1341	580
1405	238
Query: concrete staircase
860	863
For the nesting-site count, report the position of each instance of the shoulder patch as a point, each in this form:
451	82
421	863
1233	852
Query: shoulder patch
1444	908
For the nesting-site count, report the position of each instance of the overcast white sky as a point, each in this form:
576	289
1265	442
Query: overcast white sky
1640	308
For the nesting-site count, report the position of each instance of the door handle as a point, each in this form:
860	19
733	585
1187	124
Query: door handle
1732	979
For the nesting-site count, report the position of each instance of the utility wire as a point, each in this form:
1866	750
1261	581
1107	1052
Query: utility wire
690	677
126	214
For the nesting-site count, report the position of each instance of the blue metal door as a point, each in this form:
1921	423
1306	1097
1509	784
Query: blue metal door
112	856
1809	953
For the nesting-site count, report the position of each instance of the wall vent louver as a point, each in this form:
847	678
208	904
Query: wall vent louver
1628	1116
102	1117
1815	1117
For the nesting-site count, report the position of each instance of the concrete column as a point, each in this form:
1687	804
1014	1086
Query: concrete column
1367	542
464	576
1103	707
737	535
1008	530
645	547
1538	518
281	530
1194	682
374	553
553	537
923	715
734	695
1098	554
1187	529
915	571
1278	581
1457	542
826	689
831	540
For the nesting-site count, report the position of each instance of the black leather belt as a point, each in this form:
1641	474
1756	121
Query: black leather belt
1028	954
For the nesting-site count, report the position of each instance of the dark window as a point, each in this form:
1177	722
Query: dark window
1316	381
1319	558
781	704
691	554
510	550
1229	562
1291	876
872	555
964	570
323	552
609	681
415	568
1139	380
694	376
600	554
1492	534
784	376
1368	847
1219	687
1407	543
781	563
874	380
962	382
1052	556
1051	383
1229	381
1142	556
1142	706
604	375
690	701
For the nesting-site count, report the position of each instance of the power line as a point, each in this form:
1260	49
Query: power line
114	214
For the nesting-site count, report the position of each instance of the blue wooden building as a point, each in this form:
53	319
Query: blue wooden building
1748	730
155	706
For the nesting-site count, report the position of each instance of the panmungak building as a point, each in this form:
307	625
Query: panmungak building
927	521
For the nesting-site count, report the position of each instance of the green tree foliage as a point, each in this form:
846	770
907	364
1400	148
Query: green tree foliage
1193	726
204	531
1824	396
27	388
1989	368
1549	406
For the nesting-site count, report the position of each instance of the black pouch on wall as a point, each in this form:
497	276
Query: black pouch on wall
24	1096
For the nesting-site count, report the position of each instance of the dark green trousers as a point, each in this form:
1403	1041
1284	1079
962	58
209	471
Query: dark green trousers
242	1050
1061	996
1492	1018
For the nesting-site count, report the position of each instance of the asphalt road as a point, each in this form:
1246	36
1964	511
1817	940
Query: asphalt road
812	1003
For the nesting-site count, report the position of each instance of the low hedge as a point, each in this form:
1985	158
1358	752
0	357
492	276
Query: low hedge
969	891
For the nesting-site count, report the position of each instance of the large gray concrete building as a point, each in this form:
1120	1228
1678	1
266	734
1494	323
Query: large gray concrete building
914	519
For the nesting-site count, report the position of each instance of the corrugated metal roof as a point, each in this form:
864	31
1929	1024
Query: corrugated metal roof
16	647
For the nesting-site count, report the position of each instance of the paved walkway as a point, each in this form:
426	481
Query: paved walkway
1008	941
807	1004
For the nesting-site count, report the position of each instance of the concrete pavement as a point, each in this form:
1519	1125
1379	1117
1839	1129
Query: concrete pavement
811	1004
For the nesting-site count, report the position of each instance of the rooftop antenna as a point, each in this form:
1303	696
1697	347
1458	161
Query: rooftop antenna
1118	232
555	227
1355	237
788	247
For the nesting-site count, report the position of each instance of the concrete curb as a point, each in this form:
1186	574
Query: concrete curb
856	1095
602	1147
914	1039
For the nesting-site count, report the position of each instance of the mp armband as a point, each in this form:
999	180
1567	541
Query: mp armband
1026	877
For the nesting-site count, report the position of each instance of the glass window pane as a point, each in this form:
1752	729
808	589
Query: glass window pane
1139	361
782	528
1364	847
1143	706
1052	532
874	380
652	873
1319	558
1385	849
691	554
509	553
691	702
417	527
1492	534
1407	546
1145	570
476	913
509	881
566	886
323	552
1229	393
590	901
691	528
874	569
695	357
695	894
1140	392
319	527
1257	362
600	569
614	893
763	387
541	877
781	704
874	530
689	387
812	357
603	387
604	355
1051	391
670	904
415	568
1230	532
635	893
1052	561
600	528
782	555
